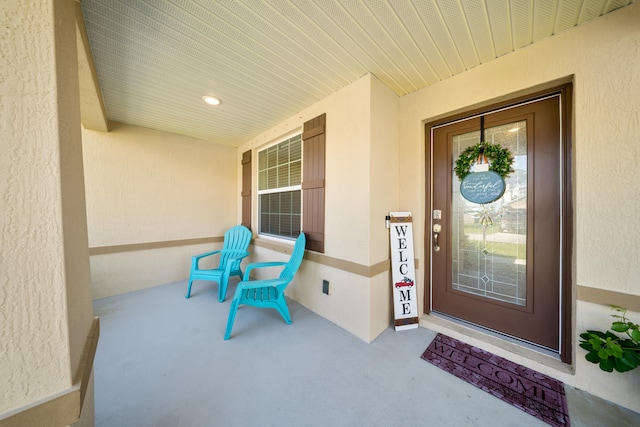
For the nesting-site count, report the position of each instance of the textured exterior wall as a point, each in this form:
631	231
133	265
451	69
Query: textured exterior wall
604	59
386	178
119	273
35	358
347	156
145	186
385	174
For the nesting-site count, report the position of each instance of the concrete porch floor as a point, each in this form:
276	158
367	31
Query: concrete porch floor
162	361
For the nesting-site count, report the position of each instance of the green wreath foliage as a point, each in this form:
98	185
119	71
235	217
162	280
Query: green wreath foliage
500	159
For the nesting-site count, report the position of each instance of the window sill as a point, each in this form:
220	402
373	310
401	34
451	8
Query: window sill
281	245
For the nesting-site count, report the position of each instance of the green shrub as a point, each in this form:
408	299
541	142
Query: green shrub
611	351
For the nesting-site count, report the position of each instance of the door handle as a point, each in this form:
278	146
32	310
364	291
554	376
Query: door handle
436	233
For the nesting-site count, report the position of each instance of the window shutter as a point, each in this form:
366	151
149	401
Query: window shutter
313	156
246	189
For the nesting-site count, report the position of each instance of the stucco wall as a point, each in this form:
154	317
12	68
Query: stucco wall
604	59
385	180
32	273
45	299
147	186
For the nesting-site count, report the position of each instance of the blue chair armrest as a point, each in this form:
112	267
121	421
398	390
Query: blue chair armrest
195	260
255	284
256	265
200	256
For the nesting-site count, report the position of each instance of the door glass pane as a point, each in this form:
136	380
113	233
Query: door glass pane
489	240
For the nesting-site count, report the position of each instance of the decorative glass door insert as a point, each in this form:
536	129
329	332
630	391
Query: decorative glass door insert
489	241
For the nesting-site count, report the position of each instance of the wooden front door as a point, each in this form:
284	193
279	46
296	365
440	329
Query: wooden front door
500	265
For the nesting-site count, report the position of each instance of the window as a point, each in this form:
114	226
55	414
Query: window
280	188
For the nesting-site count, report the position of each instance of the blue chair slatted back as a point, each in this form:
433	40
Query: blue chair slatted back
236	240
296	258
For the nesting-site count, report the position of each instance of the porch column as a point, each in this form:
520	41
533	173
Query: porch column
46	314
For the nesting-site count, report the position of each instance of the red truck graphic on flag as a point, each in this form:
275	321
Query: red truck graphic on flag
404	282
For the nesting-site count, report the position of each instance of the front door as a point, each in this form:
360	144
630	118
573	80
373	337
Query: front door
499	264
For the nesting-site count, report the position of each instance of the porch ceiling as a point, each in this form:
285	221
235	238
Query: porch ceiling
269	59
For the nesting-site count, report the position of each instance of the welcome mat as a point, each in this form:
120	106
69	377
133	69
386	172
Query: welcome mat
535	393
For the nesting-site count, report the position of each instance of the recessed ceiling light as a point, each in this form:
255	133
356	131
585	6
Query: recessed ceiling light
211	100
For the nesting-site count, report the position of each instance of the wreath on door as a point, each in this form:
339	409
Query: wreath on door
500	159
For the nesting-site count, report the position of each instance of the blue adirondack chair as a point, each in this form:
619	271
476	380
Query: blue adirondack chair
267	293
234	249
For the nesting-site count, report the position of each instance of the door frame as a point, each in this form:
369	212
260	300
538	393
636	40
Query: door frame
566	122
